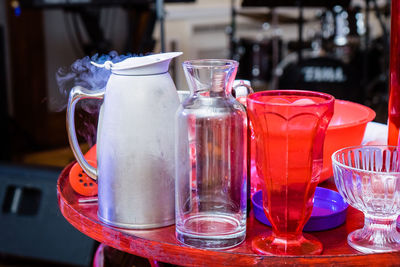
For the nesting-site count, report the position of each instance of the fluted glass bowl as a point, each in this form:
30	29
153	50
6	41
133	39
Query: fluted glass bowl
368	178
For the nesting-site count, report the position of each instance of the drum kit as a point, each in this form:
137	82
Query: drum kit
340	58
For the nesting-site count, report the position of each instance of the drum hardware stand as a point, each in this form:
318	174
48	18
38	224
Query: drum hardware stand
385	37
231	31
376	90
366	63
366	48
161	18
275	72
300	30
275	44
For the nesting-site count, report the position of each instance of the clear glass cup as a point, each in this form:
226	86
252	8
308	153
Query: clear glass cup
211	146
289	128
368	178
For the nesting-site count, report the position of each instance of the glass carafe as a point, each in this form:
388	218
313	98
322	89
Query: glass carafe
211	155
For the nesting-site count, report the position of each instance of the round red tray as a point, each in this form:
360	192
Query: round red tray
161	245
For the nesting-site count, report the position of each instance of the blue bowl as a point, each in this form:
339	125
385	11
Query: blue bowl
329	210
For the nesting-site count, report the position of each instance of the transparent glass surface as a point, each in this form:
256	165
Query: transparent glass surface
368	178
211	146
289	128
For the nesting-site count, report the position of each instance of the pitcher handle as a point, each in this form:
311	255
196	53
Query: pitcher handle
242	83
77	93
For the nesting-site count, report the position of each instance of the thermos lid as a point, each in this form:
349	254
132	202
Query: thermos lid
146	65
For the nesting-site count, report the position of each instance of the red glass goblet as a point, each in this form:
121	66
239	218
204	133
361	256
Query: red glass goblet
289	127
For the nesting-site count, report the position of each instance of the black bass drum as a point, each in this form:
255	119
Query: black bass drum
256	58
323	74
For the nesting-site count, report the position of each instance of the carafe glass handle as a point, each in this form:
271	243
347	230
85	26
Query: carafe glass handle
78	93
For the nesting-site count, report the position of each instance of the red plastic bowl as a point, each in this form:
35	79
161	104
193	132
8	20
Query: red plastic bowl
346	128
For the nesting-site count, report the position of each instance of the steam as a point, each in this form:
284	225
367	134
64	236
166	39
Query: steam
84	74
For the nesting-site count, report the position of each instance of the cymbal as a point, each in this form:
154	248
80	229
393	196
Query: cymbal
267	17
295	3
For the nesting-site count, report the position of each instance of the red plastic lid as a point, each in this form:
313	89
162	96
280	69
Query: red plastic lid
92	153
81	182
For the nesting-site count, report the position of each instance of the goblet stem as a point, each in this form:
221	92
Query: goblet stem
380	226
379	234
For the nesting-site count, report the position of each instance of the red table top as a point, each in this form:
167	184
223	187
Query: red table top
160	244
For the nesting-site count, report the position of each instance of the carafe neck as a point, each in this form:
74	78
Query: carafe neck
210	77
223	93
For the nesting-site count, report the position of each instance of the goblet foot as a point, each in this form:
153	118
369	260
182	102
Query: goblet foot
303	245
368	241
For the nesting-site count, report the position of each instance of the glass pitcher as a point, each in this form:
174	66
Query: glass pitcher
211	157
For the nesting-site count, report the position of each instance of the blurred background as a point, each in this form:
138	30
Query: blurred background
337	46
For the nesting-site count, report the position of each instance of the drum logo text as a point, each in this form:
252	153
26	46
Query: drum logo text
324	74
